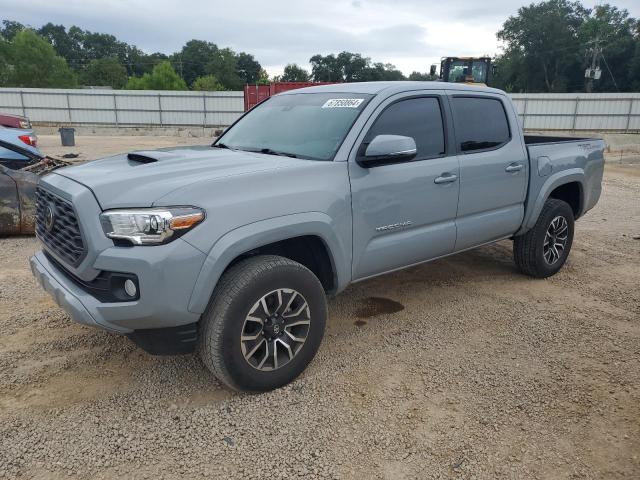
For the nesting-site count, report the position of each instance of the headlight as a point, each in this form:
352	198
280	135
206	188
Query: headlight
150	226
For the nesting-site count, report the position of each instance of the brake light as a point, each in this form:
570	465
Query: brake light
30	140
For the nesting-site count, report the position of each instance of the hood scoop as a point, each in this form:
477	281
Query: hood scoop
150	156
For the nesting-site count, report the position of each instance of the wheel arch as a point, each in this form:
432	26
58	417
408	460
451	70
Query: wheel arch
567	185
571	193
307	238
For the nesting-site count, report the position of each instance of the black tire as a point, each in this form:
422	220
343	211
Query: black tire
529	249
223	322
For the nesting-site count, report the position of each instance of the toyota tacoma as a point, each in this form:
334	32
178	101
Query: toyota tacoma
230	250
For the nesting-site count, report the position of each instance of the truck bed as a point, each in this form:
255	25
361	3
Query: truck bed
558	157
548	139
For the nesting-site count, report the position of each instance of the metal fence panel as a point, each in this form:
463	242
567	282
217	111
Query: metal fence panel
139	118
98	117
559	111
91	102
48	115
10	99
579	111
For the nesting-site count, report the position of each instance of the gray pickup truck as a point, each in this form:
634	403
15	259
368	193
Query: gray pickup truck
231	249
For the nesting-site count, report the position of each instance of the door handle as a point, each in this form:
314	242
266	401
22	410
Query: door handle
514	167
445	178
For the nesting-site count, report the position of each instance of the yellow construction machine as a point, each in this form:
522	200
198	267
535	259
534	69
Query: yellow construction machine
471	70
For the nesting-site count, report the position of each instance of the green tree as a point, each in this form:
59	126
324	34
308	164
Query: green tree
351	67
66	44
10	28
208	83
381	72
5	65
612	30
139	63
248	67
192	59
543	40
633	72
162	77
422	77
326	68
263	77
223	64
294	73
105	72
32	62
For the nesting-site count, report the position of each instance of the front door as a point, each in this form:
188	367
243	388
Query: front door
404	213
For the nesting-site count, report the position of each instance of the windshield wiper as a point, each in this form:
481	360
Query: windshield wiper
269	151
221	145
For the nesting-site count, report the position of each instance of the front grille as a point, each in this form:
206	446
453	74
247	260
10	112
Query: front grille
62	236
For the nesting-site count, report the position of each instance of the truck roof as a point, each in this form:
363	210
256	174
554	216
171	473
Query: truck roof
374	88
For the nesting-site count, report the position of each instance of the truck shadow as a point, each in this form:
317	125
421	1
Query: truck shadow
185	377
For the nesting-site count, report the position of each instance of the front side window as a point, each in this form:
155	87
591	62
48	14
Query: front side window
302	125
418	118
480	123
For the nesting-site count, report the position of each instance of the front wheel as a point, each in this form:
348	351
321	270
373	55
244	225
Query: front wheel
264	323
542	251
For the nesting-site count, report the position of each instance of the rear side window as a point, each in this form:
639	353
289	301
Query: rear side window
419	118
480	123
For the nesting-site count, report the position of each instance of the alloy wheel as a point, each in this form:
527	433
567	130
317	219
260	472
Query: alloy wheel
275	329
555	240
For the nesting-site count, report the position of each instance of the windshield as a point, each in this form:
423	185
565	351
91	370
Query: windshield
301	125
458	71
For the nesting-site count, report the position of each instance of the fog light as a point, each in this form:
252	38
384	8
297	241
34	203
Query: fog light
130	288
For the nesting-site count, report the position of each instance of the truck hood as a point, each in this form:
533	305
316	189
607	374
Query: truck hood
140	178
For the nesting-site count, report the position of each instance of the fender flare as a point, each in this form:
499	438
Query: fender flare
254	235
553	182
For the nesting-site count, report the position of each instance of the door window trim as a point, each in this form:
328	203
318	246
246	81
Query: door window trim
480	150
445	130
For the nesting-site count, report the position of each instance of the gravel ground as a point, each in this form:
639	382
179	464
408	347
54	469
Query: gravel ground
461	368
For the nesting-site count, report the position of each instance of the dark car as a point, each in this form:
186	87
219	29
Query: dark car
18	189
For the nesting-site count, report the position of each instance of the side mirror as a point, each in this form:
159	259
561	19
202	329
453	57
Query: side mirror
432	70
386	149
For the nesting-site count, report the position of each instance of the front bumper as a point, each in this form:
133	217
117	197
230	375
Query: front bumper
166	274
65	297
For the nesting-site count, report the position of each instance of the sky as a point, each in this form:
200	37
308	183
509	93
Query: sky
411	34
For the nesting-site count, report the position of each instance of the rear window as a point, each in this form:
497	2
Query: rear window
480	123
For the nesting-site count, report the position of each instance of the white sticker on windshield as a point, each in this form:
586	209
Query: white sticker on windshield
343	103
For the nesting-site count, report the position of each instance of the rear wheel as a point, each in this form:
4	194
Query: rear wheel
264	323
542	251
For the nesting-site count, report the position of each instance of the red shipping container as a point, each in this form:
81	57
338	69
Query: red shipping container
254	94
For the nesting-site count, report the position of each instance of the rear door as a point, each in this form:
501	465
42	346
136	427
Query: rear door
493	168
404	213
